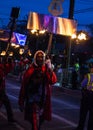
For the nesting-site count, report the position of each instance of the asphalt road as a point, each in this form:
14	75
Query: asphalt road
65	109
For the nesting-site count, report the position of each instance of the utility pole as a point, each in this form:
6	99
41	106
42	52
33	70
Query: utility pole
10	34
14	15
71	14
71	9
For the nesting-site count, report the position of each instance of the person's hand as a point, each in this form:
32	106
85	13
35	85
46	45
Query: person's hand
21	108
48	64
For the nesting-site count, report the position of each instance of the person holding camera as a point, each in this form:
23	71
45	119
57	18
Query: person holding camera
36	88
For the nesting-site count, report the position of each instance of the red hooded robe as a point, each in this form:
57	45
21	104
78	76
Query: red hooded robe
51	79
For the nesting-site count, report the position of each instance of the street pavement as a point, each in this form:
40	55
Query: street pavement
57	123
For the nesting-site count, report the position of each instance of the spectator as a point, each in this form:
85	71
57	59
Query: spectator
86	101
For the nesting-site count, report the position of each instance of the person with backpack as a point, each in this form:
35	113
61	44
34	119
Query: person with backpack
36	88
86	101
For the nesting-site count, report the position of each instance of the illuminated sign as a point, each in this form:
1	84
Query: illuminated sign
52	24
16	38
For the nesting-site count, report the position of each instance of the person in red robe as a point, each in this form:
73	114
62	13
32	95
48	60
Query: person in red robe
36	88
8	65
4	100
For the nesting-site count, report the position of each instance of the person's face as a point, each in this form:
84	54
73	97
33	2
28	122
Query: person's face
39	59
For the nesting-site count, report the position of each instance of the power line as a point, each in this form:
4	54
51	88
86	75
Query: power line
86	1
84	10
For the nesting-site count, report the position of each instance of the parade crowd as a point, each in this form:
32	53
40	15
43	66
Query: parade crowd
37	77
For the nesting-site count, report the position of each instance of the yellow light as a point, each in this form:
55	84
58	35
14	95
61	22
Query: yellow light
37	32
3	53
29	53
42	31
33	31
82	36
21	51
16	46
11	54
13	44
73	36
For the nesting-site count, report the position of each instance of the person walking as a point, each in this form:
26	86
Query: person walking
86	101
4	100
36	88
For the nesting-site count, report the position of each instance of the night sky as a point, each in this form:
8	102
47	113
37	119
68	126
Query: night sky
83	9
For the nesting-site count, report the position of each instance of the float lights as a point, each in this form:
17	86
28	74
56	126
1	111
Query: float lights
37	32
80	36
3	53
21	51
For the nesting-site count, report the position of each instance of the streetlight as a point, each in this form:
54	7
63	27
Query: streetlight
77	37
3	53
38	33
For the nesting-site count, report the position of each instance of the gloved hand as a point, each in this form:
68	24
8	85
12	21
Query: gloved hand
21	108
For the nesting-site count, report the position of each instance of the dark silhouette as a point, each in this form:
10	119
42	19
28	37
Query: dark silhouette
4	100
86	101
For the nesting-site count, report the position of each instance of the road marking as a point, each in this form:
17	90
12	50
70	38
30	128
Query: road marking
16	124
9	85
54	115
64	120
13	97
65	103
53	99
